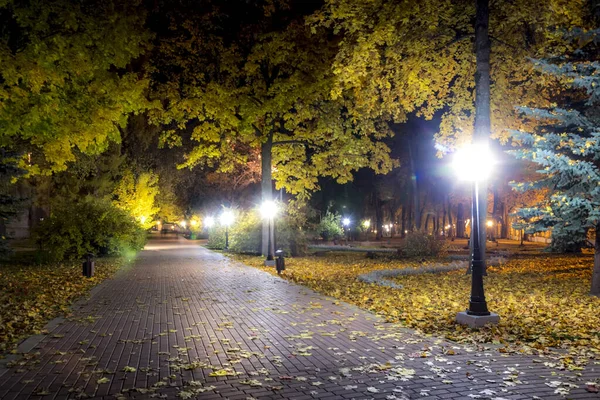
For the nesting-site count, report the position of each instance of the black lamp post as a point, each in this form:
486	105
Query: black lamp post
474	163
268	209
226	219
477	304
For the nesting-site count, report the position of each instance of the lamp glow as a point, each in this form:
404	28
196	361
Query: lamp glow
346	221
193	222
474	162
226	218
209	222
268	209
366	223
183	224
490	223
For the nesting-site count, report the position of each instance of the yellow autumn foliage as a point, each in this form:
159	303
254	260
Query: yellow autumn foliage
543	301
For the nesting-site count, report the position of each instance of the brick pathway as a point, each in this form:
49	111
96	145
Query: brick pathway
169	326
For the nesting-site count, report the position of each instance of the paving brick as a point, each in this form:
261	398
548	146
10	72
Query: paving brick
254	323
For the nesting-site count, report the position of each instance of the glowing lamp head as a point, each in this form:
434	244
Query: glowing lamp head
474	162
183	224
366	223
268	209
143	219
209	222
346	221
193	222
226	218
490	223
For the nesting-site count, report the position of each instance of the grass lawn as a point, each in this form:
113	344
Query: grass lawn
542	300
31	295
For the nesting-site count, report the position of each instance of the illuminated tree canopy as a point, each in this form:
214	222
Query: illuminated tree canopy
397	58
64	80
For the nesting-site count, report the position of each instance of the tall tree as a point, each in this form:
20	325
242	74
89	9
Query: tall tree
267	88
567	150
397	58
64	84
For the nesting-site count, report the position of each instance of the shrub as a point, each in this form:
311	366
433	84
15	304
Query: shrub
330	227
246	234
289	238
418	244
92	226
216	237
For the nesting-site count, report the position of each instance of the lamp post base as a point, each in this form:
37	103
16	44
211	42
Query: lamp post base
477	321
269	263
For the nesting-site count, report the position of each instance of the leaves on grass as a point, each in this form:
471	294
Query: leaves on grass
31	295
543	301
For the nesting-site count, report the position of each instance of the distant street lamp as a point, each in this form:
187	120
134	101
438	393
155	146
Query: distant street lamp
474	163
366	224
209	222
490	232
268	210
346	224
226	219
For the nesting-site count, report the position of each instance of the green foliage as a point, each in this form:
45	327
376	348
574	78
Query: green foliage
65	86
289	237
245	234
566	150
91	226
137	195
418	244
330	227
216	237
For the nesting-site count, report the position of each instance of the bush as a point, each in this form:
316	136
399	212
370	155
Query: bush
216	238
245	235
330	227
92	226
289	238
418	244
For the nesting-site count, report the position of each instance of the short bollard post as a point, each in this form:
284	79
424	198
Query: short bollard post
280	261
88	265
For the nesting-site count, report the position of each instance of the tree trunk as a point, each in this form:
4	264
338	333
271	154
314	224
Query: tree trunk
444	224
422	209
596	271
451	232
379	218
266	186
460	221
505	222
403	232
410	216
482	126
415	186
